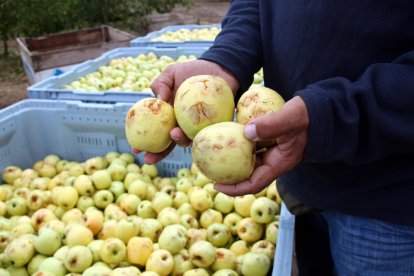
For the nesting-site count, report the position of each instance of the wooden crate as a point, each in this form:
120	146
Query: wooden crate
42	55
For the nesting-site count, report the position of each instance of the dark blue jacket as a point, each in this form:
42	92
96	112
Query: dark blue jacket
352	62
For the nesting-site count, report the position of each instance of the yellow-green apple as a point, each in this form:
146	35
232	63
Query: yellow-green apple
201	101
182	263
94	220
197	272
223	203
41	217
138	250
125	230
184	185
168	216
201	180
48	241
129	203
95	163
126	271
46	170
113	251
34	263
5	238
263	210
209	187
72	216
67	197
218	235
160	261
209	217
111	155
255	264
98	268
264	247
36	199
78	235
101	179
172	239
16	206
179	198
188	221
117	171
148	124
61	253
243	203
103	198
52	265
202	253
249	230
225	272
150	170
19	251
108	229
94	246
225	259
78	258
272	231
145	210
10	173
132	167
129	178
186	208
76	169
231	221
160	201
117	188
201	200
19	230
272	193
84	202
83	184
240	247
150	228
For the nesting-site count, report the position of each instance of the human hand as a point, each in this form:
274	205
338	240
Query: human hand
289	127
165	87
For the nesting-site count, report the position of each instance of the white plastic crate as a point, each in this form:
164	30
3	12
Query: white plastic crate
52	88
33	128
147	40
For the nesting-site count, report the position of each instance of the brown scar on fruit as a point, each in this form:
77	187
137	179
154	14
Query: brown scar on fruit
154	105
130	116
200	112
232	143
217	147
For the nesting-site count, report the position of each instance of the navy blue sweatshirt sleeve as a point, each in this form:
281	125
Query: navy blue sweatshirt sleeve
362	121
238	46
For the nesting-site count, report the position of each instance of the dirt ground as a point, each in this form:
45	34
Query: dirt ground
14	83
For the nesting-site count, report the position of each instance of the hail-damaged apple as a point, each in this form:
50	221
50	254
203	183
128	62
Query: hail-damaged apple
148	124
201	101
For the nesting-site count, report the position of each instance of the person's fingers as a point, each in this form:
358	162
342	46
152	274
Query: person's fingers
163	85
292	117
153	158
179	137
274	165
135	151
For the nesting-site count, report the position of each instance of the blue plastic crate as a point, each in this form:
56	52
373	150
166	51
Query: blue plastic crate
31	129
51	88
76	131
147	39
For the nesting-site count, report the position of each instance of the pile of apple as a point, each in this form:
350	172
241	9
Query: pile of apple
184	34
126	73
109	216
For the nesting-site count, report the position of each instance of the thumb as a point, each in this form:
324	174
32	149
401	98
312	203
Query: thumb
275	124
163	85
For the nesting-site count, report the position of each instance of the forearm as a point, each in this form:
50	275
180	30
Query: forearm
238	46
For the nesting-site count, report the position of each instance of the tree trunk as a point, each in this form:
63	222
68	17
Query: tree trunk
5	46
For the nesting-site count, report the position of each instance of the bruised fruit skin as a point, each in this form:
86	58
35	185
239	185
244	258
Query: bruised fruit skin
201	101
255	102
223	154
148	124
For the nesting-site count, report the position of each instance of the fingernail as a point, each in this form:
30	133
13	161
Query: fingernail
250	132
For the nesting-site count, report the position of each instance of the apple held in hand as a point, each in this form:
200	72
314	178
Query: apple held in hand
223	154
148	124
201	101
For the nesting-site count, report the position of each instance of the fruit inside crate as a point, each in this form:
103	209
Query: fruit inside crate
90	138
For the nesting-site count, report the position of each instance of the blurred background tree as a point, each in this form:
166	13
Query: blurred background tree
41	17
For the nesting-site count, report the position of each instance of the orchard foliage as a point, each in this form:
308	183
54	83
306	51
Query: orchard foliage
41	17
